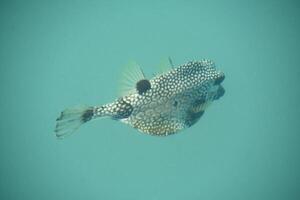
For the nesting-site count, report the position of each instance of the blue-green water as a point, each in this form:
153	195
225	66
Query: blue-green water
58	54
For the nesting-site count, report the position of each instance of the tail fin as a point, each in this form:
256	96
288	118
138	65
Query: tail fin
71	119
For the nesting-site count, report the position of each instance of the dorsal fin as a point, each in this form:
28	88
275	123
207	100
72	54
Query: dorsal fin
132	74
165	65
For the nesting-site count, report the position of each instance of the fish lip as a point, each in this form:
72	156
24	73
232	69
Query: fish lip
220	92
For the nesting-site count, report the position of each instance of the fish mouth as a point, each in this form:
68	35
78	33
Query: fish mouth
220	92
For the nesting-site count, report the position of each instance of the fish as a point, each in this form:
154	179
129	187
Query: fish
171	101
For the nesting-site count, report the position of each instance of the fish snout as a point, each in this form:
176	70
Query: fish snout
219	79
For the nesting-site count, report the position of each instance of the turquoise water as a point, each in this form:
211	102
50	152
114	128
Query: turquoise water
58	54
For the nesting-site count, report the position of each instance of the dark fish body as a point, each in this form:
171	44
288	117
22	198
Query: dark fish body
163	105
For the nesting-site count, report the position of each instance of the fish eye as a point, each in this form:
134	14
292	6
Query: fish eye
175	103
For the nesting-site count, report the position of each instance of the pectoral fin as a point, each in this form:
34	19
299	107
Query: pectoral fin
165	65
200	105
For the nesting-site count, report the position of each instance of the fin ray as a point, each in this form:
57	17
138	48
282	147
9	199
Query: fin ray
131	75
165	65
71	119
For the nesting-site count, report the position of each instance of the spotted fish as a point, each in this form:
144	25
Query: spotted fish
171	101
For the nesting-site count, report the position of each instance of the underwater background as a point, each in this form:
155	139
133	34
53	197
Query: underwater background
57	54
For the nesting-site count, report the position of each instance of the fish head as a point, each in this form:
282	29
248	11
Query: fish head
210	78
199	73
205	71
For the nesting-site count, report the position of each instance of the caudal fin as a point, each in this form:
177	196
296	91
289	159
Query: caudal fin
71	119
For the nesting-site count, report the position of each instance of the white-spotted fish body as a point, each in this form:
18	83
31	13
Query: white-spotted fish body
165	104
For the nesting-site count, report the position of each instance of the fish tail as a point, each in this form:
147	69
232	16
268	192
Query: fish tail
72	118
